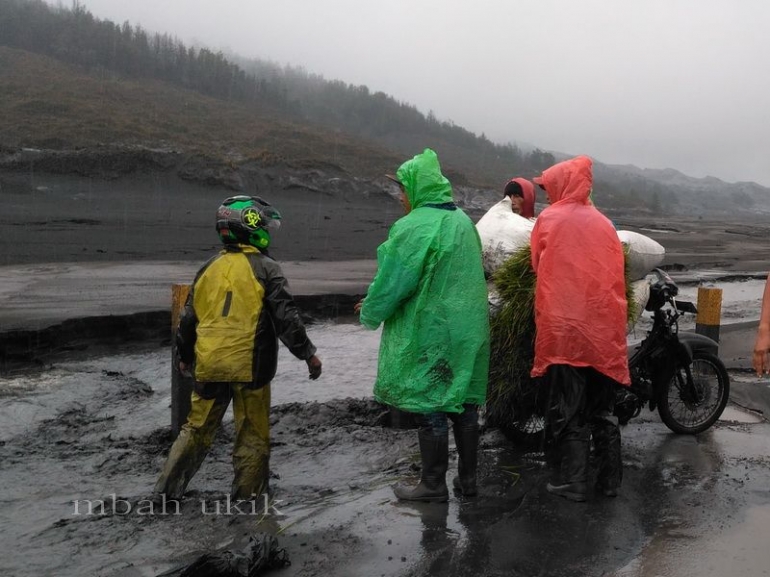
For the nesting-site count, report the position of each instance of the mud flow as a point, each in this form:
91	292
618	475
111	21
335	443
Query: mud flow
83	437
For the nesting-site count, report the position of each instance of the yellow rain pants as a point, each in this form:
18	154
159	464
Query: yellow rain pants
251	449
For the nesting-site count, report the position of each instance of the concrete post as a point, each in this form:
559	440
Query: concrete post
709	312
181	386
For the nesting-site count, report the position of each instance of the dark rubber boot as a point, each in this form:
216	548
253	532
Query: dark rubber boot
607	491
573	491
467	440
608	458
434	452
574	471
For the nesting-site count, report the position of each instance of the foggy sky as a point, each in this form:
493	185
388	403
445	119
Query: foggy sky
655	83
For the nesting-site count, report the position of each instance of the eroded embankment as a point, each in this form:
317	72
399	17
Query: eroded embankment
89	335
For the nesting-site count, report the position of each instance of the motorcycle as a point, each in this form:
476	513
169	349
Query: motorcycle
678	373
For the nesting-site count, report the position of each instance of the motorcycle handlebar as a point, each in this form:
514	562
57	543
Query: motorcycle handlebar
686	307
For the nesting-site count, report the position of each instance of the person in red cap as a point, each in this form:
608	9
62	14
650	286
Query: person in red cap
522	195
580	320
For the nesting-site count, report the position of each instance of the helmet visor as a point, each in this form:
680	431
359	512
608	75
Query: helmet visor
271	218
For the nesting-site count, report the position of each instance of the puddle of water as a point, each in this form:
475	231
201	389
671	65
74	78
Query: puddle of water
733	414
740	550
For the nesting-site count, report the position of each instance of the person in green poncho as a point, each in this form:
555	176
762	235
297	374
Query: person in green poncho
430	295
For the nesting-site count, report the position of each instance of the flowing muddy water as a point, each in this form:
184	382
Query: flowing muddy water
348	351
84	429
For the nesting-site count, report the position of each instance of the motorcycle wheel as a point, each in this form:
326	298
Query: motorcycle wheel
687	413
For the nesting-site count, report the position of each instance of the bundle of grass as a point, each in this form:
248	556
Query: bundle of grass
511	394
513	397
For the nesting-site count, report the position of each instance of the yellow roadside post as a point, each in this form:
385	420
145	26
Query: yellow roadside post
709	312
181	386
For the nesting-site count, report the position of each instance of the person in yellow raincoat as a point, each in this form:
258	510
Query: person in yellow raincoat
430	295
238	308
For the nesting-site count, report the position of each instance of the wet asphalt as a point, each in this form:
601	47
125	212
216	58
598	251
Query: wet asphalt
95	427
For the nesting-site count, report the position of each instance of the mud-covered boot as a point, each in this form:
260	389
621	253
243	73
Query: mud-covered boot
467	441
184	460
434	452
609	461
574	471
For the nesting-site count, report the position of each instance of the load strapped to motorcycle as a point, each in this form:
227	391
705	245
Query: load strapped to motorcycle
677	373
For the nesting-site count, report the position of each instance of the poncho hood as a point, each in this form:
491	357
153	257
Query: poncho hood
580	293
422	180
569	181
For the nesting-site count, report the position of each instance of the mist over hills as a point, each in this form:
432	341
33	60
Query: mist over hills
672	192
72	81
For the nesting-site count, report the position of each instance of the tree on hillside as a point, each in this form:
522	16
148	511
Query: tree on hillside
75	36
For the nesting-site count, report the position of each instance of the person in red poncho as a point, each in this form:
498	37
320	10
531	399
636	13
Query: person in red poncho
522	195
580	319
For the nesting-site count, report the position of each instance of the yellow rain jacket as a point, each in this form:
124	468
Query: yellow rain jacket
238	308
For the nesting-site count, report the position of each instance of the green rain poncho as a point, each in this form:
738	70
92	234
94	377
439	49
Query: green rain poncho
430	293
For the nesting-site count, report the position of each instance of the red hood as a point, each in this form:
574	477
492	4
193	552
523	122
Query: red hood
528	190
570	180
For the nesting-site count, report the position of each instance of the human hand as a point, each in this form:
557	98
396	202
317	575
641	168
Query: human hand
184	369
314	367
761	350
357	306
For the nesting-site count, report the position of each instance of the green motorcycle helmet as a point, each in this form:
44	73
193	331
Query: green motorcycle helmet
247	220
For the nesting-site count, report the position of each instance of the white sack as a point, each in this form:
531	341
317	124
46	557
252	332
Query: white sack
644	254
502	233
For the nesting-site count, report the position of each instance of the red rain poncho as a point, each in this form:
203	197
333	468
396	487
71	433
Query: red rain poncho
580	293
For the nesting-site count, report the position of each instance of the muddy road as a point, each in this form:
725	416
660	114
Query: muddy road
84	430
